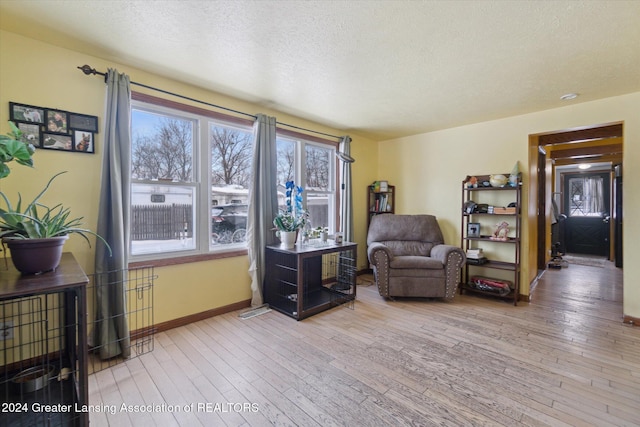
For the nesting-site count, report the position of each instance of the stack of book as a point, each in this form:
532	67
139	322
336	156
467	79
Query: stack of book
476	257
381	204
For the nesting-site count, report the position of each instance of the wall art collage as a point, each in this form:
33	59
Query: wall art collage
55	129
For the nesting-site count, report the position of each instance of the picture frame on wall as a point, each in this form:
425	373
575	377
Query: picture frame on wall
83	122
30	132
473	229
26	113
57	121
54	141
83	142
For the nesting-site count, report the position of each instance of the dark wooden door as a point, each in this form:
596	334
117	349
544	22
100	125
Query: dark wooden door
586	204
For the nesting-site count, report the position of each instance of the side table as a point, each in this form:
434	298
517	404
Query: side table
48	314
309	278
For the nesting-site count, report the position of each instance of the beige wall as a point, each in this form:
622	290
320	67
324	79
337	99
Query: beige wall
428	169
36	73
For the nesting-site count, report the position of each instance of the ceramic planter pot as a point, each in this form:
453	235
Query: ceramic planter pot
288	239
33	256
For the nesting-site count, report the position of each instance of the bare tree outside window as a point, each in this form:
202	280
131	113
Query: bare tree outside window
164	152
230	156
286	156
317	167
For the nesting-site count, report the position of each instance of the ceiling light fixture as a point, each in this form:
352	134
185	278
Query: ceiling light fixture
569	96
584	166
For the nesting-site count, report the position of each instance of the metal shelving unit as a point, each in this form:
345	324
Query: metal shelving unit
487	195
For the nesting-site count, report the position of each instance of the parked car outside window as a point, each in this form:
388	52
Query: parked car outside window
228	223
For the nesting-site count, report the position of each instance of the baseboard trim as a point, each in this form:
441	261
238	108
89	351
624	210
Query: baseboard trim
524	298
182	321
196	317
633	321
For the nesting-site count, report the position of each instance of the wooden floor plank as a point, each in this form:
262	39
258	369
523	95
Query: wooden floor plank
565	359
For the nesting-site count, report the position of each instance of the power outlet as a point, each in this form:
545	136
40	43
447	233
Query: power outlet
6	330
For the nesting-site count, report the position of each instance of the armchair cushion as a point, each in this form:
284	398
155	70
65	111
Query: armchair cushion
413	262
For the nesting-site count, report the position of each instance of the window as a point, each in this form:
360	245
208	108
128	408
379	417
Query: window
586	196
191	171
312	165
230	165
190	177
163	190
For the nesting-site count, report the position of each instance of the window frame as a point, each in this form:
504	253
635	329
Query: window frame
197	255
300	176
202	182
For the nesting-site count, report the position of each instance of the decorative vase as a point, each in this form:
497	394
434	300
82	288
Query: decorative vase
288	239
498	180
33	256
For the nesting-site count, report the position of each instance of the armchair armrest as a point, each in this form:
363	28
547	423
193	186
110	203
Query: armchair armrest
442	253
381	250
453	259
380	258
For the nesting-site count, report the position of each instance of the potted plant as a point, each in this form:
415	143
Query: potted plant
293	217
35	235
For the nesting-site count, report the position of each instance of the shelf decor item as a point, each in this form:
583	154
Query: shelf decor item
515	173
498	180
501	231
473	229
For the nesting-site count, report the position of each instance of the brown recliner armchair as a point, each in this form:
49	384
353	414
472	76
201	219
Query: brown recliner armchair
409	257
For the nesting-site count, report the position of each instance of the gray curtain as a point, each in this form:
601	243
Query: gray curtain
263	201
112	329
346	195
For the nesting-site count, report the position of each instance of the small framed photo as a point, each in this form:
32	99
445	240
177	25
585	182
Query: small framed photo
30	133
473	229
56	142
83	122
26	113
57	121
83	141
384	186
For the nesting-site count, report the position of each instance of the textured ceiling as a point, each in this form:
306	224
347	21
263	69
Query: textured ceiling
383	69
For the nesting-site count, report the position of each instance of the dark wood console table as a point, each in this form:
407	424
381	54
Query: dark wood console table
49	317
308	279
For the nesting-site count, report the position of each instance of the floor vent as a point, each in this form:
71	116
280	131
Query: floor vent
256	311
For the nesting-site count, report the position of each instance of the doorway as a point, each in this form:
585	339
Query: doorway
602	143
586	203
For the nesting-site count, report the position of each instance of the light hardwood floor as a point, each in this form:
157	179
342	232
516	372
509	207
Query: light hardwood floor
565	359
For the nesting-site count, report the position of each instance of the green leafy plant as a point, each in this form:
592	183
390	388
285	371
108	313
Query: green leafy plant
14	146
37	221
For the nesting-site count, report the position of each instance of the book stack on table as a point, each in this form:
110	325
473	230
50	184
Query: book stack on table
476	257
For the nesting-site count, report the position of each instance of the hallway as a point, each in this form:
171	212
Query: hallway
585	290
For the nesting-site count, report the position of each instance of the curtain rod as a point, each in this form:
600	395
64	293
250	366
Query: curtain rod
87	70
